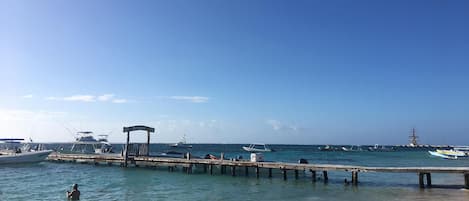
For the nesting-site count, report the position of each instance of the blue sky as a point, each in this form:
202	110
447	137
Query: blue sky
302	72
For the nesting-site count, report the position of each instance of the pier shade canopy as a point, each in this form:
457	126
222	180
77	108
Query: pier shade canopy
139	128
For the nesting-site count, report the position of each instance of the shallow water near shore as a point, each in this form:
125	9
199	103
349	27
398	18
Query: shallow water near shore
50	181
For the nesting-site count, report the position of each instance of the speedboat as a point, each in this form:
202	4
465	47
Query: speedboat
258	147
13	152
455	153
87	144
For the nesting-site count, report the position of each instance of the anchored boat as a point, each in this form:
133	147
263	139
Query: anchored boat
258	147
12	151
86	143
182	143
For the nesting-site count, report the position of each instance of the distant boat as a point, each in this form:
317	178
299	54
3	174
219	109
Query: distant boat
13	152
87	144
379	148
182	143
258	147
351	149
326	148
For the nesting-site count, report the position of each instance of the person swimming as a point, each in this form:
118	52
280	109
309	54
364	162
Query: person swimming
75	194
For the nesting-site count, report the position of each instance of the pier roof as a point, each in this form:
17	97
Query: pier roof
139	128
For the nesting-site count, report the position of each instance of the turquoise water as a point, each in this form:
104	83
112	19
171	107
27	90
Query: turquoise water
49	181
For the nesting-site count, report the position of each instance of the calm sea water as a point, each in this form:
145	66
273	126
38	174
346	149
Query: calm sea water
49	181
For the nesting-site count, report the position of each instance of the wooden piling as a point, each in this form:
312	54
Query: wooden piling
466	180
246	171
421	184
127	149
354	177
284	174
429	179
222	167
233	171
326	178
313	175
189	169
257	172
210	167
270	172
296	174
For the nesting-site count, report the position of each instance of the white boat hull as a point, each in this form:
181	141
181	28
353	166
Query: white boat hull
249	149
27	157
434	153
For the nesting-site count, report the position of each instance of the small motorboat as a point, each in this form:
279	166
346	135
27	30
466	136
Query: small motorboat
257	147
12	151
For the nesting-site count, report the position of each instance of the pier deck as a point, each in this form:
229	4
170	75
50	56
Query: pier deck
187	164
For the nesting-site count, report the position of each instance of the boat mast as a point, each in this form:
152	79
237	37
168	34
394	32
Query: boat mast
413	138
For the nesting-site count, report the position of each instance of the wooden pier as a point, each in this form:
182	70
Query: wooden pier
207	165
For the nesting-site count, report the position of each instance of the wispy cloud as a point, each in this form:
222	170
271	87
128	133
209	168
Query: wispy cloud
119	101
277	125
105	97
15	114
89	98
83	98
28	96
193	99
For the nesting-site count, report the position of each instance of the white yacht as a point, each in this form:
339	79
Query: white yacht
182	143
12	151
258	147
87	144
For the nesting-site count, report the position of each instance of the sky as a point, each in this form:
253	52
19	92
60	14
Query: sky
279	72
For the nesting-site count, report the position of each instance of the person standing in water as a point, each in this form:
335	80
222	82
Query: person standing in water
75	194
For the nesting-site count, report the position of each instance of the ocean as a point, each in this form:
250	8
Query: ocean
50	181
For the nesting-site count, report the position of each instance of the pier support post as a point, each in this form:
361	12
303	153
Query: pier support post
421	184
313	175
296	174
222	169
354	177
205	168
233	171
257	172
127	149
246	171
429	179
284	174
189	169
270	172
466	180
210	167
326	178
